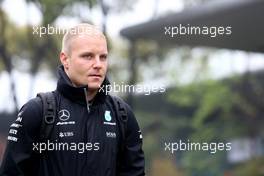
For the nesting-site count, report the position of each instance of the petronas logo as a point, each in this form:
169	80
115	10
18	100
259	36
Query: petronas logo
107	116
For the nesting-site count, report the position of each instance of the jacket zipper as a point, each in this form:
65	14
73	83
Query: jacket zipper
87	101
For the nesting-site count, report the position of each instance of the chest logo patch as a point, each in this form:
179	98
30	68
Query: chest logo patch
64	115
107	116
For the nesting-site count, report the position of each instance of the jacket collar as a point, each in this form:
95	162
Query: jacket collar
77	94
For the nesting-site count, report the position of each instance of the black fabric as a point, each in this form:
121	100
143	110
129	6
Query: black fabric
96	129
76	94
49	113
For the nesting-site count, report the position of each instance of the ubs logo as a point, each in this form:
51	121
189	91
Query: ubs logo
64	115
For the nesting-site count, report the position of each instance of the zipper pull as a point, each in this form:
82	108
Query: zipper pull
87	101
88	108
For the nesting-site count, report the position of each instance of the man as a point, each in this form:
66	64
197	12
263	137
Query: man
86	136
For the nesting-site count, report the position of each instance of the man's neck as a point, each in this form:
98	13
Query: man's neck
91	94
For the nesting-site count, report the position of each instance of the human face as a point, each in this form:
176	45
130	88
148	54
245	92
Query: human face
86	62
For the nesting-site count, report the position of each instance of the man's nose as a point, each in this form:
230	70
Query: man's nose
97	62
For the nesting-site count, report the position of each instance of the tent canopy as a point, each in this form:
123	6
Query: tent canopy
245	17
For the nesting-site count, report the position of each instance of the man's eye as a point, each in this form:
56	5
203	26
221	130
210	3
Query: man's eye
103	57
87	56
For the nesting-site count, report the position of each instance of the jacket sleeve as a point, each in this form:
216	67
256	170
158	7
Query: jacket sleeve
132	159
19	157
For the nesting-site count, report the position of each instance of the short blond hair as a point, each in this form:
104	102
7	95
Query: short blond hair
80	29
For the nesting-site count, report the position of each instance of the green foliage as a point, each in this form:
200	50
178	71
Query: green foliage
220	111
51	9
203	163
165	166
253	167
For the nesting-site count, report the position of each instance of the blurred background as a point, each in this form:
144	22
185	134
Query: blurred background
214	85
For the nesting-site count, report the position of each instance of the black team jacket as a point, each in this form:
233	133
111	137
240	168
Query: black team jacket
85	140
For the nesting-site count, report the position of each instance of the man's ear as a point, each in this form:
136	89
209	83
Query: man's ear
64	60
